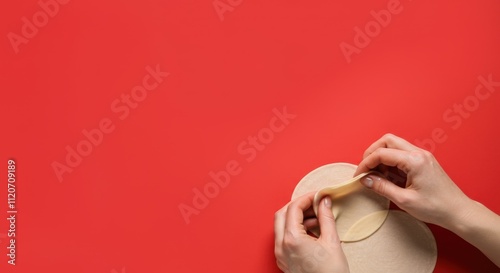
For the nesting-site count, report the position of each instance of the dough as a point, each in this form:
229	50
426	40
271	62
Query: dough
349	206
402	244
366	226
375	239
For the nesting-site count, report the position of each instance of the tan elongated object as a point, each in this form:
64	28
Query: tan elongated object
366	225
340	190
351	201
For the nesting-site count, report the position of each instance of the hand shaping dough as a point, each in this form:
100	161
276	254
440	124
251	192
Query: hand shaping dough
350	208
365	226
401	244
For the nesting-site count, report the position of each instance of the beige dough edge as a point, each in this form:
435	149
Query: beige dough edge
365	226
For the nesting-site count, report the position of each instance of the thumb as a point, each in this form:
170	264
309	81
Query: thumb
327	221
383	187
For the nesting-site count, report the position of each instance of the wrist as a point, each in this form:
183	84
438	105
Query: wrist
461	220
459	217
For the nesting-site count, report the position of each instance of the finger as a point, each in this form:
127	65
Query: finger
295	213
385	188
385	156
327	222
279	226
396	176
311	223
390	141
279	221
309	213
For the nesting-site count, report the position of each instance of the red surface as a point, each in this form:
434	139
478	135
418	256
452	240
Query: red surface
118	210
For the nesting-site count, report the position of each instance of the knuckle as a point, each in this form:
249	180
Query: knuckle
366	153
373	159
377	152
290	240
421	158
294	206
417	157
389	137
428	156
277	215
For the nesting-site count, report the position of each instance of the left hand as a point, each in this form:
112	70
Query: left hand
298	252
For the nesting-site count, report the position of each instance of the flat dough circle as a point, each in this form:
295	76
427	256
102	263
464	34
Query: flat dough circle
352	207
402	244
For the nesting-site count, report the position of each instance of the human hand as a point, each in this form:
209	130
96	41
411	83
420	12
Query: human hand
430	195
298	252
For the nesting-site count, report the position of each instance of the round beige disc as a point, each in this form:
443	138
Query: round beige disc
351	208
402	244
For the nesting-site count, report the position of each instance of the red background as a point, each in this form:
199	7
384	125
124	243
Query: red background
118	210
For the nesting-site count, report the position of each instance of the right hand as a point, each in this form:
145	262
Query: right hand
430	195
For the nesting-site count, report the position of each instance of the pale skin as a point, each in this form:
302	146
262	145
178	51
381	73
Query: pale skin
430	196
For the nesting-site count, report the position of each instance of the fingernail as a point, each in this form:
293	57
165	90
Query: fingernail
367	181
328	202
